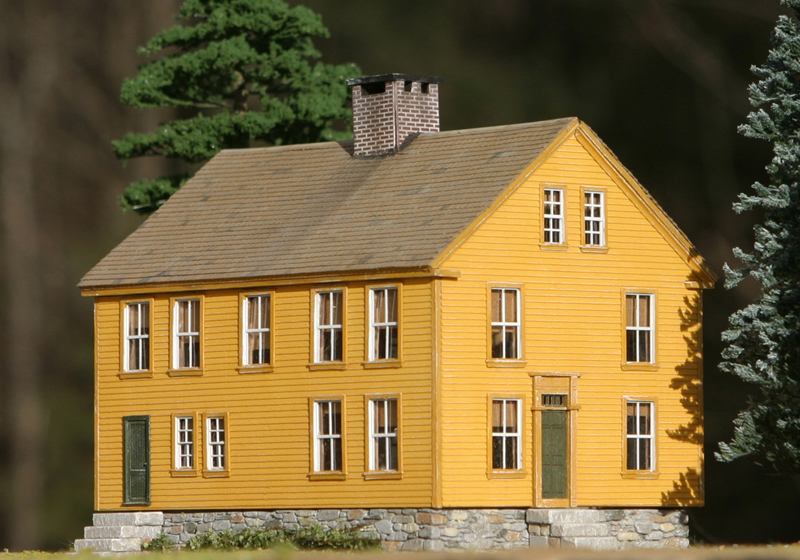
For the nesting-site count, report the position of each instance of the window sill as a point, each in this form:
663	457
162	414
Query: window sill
137	504
641	475
499	362
260	368
135	374
327	476
633	366
327	365
382	364
383	475
224	473
594	249
509	474
553	246
197	372
183	472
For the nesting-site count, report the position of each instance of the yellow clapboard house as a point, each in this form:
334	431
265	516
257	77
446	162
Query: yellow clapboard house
467	320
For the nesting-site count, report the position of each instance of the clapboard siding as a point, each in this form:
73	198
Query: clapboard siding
268	413
571	322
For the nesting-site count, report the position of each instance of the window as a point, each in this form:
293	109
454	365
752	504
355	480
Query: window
594	218
506	436
216	450
383	324
640	451
184	442
256	330
383	454
327	436
553	215
328	323
137	336
186	339
639	327
505	323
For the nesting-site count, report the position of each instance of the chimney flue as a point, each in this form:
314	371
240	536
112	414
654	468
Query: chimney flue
390	108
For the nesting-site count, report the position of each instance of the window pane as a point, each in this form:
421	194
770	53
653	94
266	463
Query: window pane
644	311
511	416
379	306
337	346
511	453
392	416
631	346
133	355
194	315
644	454
381	450
337	417
630	311
392	342
324	316
145	348
496	301
631	419
497	416
497	342
631	453
337	307
324	419
392	305
511	342
644	419
379	342
183	320
379	413
265	303
497	452
511	306
644	346
252	313
392	454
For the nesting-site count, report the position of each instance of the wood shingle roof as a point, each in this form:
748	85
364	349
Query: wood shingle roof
314	209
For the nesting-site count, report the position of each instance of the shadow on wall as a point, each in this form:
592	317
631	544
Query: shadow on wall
688	489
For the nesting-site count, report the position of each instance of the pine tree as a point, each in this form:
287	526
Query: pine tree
763	339
244	71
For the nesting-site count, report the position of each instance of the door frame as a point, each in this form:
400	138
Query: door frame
126	421
563	383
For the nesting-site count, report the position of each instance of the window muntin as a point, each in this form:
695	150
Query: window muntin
216	447
506	434
383	324
327	436
328	326
553	215
257	333
639	327
640	449
594	218
137	336
184	442
505	323
383	438
186	336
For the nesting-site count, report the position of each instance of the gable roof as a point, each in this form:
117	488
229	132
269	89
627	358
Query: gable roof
314	209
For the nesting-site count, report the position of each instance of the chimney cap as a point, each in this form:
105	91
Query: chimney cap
394	78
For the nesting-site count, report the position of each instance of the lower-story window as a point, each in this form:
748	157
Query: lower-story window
184	442
216	447
506	434
640	451
327	436
383	448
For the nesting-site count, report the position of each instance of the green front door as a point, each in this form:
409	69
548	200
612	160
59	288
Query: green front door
554	454
136	439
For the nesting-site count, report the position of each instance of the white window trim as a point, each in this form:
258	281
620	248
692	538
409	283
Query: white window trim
333	327
651	438
503	324
216	449
375	324
142	339
557	218
505	435
263	332
376	439
637	329
177	335
336	439
185	449
591	219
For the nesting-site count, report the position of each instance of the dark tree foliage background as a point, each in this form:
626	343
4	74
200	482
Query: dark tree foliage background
662	81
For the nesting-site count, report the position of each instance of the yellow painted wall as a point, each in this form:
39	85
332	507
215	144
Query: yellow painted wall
268	431
572	323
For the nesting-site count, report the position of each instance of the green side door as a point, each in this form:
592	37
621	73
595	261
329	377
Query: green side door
554	454
136	440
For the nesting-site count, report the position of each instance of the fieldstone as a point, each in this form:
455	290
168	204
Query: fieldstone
659	519
513	536
178	518
537	541
398	536
459	515
391	545
495	518
208	517
384	527
402	519
424	518
289	517
433	546
221	525
203	527
377	513
254	522
667	527
237	518
356	514
175	530
304	513
328	515
238	527
655	536
413	544
271	525
190	527
643	528
451	531
628	536
535	530
410	527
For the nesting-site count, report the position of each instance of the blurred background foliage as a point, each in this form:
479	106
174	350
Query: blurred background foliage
663	82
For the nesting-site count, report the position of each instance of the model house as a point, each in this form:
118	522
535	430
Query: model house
449	327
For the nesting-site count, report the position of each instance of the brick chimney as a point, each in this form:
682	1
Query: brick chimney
389	108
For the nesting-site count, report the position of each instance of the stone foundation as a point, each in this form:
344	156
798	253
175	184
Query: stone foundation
415	529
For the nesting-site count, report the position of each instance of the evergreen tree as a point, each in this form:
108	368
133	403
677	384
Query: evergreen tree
763	339
244	71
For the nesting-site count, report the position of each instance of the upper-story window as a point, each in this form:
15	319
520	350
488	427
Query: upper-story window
505	323
137	336
328	436
553	216
506	434
383	323
639	330
256	339
186	334
383	448
328	326
594	220
640	449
